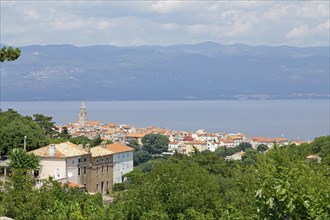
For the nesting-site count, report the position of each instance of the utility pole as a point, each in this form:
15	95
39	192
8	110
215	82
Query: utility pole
24	143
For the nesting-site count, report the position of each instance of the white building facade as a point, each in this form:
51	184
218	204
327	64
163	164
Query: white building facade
122	161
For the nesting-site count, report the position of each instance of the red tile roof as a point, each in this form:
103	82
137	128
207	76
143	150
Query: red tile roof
118	148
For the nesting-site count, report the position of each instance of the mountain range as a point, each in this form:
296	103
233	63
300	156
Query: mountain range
201	71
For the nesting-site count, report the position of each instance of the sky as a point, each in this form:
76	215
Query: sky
134	23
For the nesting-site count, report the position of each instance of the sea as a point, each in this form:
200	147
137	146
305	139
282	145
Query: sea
302	119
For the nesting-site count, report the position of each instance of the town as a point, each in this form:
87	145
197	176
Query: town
97	169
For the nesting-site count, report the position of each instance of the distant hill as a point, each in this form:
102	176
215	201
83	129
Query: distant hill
202	71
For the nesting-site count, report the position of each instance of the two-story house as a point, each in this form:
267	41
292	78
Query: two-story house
122	160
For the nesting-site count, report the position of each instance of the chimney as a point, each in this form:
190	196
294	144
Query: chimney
88	148
52	150
103	144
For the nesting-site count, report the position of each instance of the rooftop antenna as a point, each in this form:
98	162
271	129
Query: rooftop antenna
24	143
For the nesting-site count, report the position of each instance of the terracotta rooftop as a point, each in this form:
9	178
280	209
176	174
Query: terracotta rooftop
136	135
269	140
93	123
227	141
75	185
118	148
235	137
62	150
111	125
195	142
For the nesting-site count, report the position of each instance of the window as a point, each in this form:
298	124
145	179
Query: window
102	160
72	161
79	160
97	161
78	171
97	187
58	172
107	168
107	184
85	160
84	170
97	170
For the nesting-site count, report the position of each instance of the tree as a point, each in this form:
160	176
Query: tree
19	159
250	156
96	141
9	54
65	133
134	144
155	143
140	157
289	188
243	146
262	147
172	189
80	140
46	123
13	128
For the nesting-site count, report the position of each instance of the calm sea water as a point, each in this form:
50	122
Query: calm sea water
303	119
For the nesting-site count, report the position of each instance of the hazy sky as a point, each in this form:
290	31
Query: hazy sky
126	23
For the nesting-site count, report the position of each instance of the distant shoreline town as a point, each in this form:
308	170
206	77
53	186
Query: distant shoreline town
181	141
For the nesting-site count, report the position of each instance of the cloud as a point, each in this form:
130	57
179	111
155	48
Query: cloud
302	31
165	6
299	23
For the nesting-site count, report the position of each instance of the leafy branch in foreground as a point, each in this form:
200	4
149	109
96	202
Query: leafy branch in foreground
9	54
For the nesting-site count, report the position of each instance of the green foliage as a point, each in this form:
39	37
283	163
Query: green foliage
321	146
13	128
80	140
85	140
118	187
243	146
140	157
289	188
155	143
46	124
135	145
172	188
279	184
135	176
96	141
9	54
262	147
65	133
21	200
227	151
250	156
19	159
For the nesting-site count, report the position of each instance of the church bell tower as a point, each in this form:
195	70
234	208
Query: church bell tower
82	115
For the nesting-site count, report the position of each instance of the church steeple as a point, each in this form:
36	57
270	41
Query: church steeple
82	115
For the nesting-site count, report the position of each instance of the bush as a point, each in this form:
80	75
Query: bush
119	187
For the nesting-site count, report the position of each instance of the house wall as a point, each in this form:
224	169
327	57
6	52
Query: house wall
100	179
54	167
72	167
199	147
122	164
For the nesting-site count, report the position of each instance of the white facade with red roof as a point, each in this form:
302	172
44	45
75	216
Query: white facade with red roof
122	160
60	161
